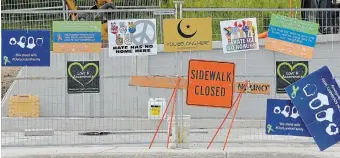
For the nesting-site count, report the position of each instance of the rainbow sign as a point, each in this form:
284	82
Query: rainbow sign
292	36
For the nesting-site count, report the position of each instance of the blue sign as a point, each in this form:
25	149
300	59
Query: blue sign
25	48
284	119
317	98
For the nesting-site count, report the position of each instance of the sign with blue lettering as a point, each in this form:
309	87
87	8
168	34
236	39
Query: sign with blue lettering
317	98
25	48
284	119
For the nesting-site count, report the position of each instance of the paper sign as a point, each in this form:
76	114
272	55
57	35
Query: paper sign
25	48
284	119
239	35
194	34
288	72
292	36
210	83
77	37
132	37
317	98
255	88
83	77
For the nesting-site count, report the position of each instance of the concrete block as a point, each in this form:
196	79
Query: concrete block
39	132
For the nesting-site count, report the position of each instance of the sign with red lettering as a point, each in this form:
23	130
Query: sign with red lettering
210	83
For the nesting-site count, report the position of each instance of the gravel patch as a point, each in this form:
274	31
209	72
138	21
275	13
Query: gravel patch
7	77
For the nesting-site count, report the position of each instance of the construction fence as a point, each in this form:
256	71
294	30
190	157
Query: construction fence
119	113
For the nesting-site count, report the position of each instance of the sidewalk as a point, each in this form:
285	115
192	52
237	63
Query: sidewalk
234	151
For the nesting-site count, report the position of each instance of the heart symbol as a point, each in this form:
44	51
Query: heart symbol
291	69
82	69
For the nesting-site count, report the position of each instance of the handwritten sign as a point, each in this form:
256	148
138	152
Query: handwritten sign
291	36
317	98
284	119
255	88
210	83
239	35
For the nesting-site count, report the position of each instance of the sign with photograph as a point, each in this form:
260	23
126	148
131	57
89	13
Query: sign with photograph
77	37
132	37
317	98
284	119
25	48
292	36
210	83
288	72
83	77
192	34
239	35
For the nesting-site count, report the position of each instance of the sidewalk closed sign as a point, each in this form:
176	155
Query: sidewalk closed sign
210	83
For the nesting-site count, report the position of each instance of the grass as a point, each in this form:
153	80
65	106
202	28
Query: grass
263	17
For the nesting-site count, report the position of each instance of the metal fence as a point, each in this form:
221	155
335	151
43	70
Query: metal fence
82	4
121	109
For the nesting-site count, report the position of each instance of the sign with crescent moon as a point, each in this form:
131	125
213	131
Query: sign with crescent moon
182	35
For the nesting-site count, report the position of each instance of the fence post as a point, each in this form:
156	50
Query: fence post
179	96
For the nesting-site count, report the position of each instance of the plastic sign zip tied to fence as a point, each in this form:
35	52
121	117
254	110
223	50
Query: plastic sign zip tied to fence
317	98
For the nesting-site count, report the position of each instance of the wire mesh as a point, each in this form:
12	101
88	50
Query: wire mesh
121	109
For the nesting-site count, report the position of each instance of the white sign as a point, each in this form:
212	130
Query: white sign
132	37
239	35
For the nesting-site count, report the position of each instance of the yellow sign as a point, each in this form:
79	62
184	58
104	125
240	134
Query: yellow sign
194	34
155	110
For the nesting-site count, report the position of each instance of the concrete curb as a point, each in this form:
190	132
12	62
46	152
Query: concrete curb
9	124
121	152
156	152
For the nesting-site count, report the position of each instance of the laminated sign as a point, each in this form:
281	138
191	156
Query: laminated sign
239	35
284	119
77	37
317	98
25	48
83	77
132	37
288	72
193	34
292	36
210	83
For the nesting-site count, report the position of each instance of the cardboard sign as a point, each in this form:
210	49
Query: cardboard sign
83	77
288	72
132	37
255	88
187	34
284	119
210	83
292	36
239	35
25	48
317	98
77	37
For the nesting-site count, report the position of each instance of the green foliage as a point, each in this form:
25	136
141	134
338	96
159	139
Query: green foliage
263	17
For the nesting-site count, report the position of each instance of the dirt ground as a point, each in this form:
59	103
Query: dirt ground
7	75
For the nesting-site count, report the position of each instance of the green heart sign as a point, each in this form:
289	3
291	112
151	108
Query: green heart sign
291	69
82	69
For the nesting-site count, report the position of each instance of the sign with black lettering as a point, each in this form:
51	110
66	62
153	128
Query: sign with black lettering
254	88
210	83
288	72
132	37
83	77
